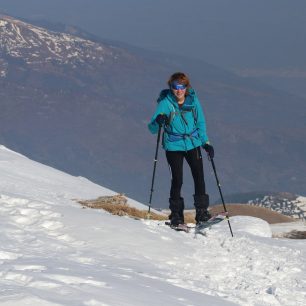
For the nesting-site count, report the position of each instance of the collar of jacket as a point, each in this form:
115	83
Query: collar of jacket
189	100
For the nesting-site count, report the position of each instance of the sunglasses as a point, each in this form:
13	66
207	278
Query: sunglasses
177	86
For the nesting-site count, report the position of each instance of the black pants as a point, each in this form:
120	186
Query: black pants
194	159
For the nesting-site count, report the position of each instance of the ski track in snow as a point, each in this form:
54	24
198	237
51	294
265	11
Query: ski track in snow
30	222
40	264
216	267
264	275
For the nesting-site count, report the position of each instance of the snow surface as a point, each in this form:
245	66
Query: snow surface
282	228
301	202
54	252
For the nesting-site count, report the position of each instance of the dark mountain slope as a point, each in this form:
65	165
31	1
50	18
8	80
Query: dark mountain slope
83	106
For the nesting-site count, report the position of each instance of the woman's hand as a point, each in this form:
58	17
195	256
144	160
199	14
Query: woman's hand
161	119
209	149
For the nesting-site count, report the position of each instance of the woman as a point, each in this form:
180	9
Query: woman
179	112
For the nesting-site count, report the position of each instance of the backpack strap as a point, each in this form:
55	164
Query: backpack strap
174	113
163	94
195	116
176	136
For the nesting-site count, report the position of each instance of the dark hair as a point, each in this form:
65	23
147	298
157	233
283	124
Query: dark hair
181	78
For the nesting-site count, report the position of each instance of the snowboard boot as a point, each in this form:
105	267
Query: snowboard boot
177	211
201	203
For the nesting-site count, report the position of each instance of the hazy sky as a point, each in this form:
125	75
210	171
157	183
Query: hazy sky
230	33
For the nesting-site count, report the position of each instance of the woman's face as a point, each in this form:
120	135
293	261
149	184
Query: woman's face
179	91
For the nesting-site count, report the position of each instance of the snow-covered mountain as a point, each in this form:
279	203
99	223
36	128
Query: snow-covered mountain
53	252
37	46
285	203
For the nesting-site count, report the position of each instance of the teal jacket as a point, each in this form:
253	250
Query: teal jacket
187	127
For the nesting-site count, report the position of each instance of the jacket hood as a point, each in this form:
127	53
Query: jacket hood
167	94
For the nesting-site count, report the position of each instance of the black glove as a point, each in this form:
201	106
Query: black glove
210	150
161	119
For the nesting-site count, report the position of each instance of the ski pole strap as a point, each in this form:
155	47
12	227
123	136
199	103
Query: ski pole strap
177	136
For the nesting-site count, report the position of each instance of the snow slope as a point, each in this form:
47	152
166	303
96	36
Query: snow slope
53	252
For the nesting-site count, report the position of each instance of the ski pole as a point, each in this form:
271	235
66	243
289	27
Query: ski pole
219	186
154	168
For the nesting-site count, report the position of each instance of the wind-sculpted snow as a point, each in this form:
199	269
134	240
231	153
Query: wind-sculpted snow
36	45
